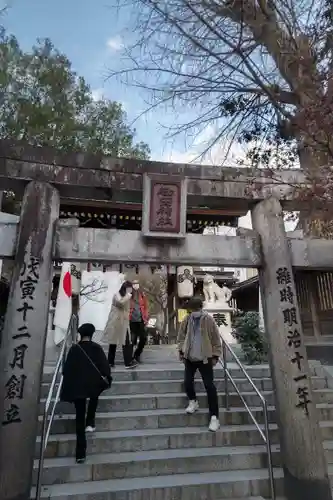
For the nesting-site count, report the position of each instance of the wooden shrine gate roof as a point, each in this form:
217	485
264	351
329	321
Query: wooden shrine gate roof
96	177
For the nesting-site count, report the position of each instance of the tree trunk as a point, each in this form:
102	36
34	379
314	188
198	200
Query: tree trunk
315	222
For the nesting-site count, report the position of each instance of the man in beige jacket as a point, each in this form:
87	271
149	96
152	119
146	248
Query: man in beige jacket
200	348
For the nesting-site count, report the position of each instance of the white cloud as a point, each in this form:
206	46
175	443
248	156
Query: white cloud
247	223
115	43
125	105
218	155
97	94
224	153
205	136
179	157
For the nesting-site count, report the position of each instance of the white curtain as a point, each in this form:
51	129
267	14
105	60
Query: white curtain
97	291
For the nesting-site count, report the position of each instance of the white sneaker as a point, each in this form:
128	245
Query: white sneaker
214	424
90	429
192	407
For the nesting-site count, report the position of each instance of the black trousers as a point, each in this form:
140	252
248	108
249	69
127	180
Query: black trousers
127	352
207	374
138	332
83	421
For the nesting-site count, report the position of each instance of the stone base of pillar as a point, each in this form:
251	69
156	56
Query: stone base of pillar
223	320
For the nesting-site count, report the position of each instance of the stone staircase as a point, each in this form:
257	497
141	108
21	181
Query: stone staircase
146	448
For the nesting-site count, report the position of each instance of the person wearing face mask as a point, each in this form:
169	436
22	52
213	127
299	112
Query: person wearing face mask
138	320
199	346
117	330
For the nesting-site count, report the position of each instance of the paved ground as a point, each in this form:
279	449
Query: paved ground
160	354
161	357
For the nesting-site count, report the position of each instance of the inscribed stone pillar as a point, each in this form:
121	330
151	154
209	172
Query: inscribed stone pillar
24	337
303	459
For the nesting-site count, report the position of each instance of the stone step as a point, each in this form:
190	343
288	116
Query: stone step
174	401
100	467
220	485
143	372
177	386
154	419
156	463
164	372
63	445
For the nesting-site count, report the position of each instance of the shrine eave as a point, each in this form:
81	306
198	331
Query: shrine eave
113	217
243	285
135	209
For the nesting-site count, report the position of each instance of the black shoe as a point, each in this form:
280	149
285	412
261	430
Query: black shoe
138	359
81	460
133	364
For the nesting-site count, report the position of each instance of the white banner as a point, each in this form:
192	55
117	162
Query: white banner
63	308
97	291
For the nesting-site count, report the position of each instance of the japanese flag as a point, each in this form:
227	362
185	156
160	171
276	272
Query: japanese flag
63	309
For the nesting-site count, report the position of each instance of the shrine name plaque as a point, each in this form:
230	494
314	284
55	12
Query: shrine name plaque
164	206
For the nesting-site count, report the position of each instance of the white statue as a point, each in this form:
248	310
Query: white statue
215	295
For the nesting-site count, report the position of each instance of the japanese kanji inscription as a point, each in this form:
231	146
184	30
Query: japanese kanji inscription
165	207
14	387
294	339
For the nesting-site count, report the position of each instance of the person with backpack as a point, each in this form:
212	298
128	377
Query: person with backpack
200	347
86	375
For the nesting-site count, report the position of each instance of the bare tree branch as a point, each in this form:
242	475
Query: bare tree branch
92	291
220	59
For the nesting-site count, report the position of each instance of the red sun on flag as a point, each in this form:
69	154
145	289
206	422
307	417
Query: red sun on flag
67	284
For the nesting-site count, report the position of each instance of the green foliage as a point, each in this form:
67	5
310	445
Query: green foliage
44	102
246	330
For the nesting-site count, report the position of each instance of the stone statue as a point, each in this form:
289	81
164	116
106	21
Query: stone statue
214	295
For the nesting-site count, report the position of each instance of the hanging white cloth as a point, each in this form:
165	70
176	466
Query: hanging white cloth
97	291
63	308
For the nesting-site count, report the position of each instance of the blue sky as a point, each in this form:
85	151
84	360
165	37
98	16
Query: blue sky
89	32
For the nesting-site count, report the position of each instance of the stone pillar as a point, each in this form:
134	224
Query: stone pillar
222	317
303	459
23	341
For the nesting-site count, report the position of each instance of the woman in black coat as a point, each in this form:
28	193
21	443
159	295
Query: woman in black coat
86	375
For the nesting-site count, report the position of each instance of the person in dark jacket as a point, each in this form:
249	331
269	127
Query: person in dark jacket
86	375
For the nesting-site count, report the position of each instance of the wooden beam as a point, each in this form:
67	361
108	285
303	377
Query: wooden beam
111	245
137	207
100	245
312	254
27	154
103	245
108	177
232	191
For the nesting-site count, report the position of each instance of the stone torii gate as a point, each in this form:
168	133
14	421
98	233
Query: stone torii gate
44	176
